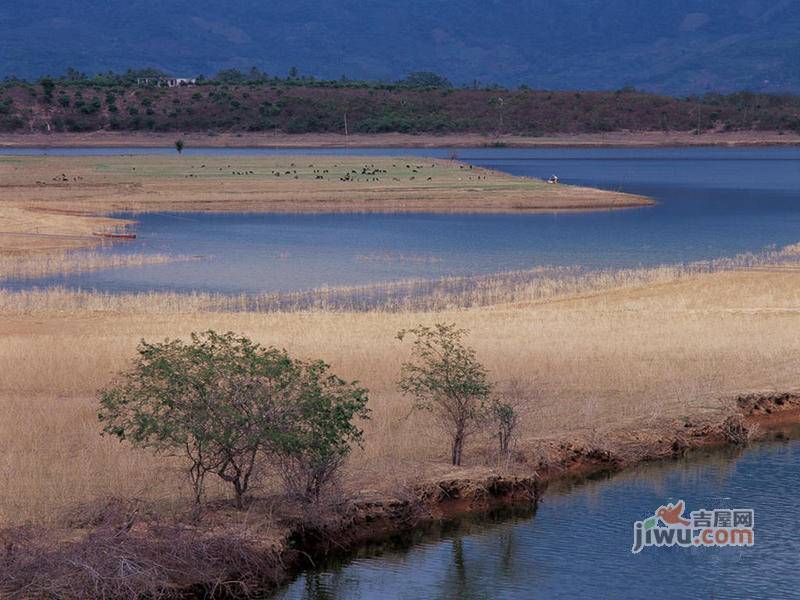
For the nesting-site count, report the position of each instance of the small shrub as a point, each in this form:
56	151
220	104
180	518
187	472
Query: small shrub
736	432
92	107
506	409
506	418
48	85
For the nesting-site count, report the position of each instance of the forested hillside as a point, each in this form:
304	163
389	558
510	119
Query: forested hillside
302	107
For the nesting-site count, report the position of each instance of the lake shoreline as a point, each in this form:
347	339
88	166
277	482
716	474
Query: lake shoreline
322	535
621	139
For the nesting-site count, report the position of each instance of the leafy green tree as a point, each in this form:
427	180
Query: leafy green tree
217	400
48	85
230	407
257	76
74	76
445	378
326	407
424	79
92	107
231	77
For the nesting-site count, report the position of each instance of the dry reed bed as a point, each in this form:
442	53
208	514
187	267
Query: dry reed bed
615	353
59	263
531	285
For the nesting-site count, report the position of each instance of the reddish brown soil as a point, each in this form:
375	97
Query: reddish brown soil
396	140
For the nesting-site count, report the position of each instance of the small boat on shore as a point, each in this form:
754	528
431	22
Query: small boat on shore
122	236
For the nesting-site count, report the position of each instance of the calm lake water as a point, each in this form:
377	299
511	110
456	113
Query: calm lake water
713	202
578	544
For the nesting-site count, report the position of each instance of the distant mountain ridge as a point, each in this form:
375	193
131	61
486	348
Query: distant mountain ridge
669	46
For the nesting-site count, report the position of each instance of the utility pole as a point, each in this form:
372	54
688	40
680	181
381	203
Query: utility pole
699	114
501	103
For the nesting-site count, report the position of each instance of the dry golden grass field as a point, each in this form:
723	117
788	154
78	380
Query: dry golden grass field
583	363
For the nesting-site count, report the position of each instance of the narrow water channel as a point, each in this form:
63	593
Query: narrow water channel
578	543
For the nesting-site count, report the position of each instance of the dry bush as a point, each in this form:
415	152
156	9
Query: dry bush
155	561
735	431
311	482
512	402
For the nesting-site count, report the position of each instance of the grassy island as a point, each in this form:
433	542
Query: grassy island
57	202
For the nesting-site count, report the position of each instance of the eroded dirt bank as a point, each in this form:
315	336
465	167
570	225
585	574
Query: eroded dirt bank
228	556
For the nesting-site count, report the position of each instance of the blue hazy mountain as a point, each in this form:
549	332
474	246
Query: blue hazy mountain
675	46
